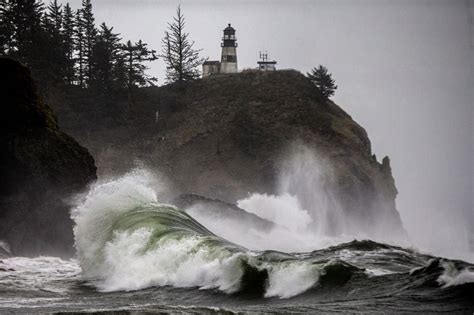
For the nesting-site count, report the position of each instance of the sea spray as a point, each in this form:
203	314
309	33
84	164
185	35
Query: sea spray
101	207
310	178
127	240
284	210
453	275
182	262
285	234
305	212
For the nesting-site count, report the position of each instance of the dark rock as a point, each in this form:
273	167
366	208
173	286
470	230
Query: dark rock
217	209
40	167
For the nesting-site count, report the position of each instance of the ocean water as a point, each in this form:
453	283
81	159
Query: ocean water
138	255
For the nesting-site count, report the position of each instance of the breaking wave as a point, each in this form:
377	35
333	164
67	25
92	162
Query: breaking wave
127	240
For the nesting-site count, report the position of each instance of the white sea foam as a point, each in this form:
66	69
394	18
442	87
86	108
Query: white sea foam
284	210
102	206
122	263
185	263
288	279
279	238
453	276
306	214
180	263
41	273
124	260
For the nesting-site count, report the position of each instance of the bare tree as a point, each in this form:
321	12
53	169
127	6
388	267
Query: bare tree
182	60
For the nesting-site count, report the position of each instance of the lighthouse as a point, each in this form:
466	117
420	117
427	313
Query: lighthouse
229	51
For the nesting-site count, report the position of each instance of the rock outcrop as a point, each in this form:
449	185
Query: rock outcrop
199	206
40	167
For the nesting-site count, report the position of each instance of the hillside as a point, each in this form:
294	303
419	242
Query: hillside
227	136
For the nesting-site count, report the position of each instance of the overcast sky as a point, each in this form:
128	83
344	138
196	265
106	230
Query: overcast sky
404	70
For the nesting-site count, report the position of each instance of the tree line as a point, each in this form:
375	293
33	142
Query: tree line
64	46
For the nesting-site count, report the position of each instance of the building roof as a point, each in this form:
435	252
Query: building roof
212	62
229	29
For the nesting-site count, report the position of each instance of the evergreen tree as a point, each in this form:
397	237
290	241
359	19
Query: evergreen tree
5	27
323	81
68	34
120	73
90	34
30	42
55	54
60	45
134	56
54	17
182	60
104	58
79	43
27	34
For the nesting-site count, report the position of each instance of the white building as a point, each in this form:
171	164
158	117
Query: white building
210	67
266	65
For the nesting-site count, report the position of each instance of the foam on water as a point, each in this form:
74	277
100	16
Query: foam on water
177	262
284	210
117	251
291	278
103	205
452	276
127	240
48	274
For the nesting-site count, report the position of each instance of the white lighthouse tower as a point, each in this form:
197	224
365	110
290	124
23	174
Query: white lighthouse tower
229	51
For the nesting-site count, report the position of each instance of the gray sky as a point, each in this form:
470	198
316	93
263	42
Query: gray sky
404	70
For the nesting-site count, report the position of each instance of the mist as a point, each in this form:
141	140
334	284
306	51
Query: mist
404	71
306	212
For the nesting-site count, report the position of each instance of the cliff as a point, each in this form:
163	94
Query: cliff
40	167
226	136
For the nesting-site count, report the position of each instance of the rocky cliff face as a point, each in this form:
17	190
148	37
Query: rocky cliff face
227	136
40	168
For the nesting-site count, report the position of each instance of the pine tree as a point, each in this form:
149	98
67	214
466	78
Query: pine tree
135	55
54	17
6	30
90	34
323	81
79	41
68	34
120	73
30	42
55	54
104	58
26	31
182	60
